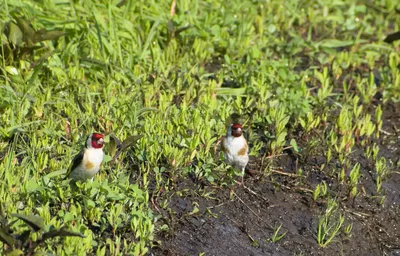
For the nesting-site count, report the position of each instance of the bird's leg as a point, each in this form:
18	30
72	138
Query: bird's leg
241	183
245	185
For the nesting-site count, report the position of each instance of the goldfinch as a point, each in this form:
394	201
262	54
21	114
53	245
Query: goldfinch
235	148
87	162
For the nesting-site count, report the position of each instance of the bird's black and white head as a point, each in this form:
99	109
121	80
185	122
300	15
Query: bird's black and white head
235	130
95	140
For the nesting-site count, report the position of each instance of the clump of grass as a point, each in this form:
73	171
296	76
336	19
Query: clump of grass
329	224
277	235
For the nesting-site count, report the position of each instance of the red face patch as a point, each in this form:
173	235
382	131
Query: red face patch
237	126
97	136
97	140
236	130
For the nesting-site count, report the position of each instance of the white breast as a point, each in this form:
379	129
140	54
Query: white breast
232	147
90	165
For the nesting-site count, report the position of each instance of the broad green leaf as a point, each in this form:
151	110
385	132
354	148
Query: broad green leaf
43	35
392	37
34	221
6	238
128	142
62	232
15	35
27	31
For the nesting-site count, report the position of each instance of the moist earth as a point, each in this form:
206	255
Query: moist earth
232	220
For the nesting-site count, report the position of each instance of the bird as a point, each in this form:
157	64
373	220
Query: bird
87	162
235	148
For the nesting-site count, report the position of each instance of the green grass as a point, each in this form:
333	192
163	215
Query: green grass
138	70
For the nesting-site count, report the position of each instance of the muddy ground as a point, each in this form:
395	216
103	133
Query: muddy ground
234	221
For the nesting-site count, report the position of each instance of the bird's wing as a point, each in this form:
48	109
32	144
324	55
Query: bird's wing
75	162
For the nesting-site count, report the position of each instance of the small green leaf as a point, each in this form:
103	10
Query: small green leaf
293	143
107	158
333	43
227	59
194	211
271	28
32	186
90	204
216	30
68	217
115	196
230	91
114	144
144	110
11	70
15	252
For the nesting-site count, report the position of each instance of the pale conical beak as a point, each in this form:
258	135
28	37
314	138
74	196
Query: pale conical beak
100	141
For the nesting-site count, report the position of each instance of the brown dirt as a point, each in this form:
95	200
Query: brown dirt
233	221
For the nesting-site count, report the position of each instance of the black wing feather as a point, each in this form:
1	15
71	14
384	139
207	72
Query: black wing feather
75	162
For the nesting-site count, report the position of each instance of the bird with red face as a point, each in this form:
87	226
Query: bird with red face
235	148
87	162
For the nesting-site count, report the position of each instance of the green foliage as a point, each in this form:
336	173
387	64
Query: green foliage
329	224
320	190
303	76
26	241
277	235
